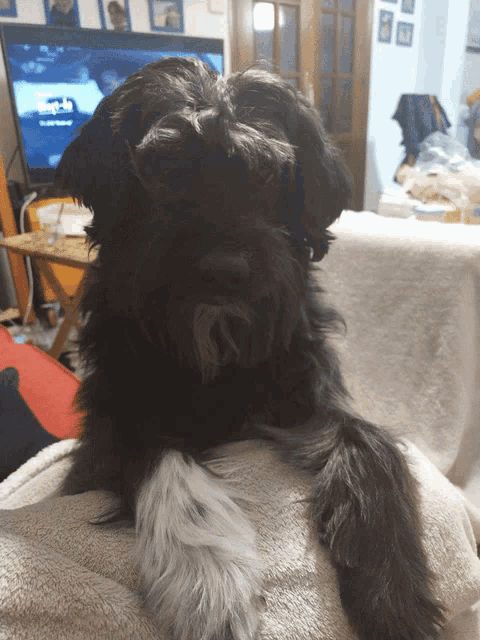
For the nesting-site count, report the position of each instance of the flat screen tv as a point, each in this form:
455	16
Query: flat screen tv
57	77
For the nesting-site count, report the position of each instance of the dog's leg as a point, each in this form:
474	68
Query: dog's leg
196	552
365	510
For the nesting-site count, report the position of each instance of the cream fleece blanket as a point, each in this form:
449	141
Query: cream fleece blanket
410	294
63	578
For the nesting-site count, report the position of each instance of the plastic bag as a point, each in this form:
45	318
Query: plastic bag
445	171
439	152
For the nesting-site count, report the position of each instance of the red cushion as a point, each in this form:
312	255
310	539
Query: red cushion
46	385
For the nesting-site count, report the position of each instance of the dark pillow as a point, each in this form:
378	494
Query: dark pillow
21	435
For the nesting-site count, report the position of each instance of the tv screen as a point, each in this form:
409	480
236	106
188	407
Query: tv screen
58	76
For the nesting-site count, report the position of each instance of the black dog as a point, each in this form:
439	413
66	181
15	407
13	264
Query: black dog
203	326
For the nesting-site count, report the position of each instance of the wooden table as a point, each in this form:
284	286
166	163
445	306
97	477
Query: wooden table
67	251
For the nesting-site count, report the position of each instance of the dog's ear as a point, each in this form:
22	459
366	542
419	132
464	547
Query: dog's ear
315	183
322	185
95	169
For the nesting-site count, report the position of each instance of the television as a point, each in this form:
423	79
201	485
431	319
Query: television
57	77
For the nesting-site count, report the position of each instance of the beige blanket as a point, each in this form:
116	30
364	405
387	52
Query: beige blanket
410	294
63	578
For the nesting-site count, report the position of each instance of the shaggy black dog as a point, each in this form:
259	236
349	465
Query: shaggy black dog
211	200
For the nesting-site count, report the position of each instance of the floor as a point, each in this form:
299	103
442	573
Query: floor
42	336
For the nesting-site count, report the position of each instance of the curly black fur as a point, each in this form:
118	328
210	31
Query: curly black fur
203	325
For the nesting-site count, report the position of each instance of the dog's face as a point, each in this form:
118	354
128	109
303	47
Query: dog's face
209	198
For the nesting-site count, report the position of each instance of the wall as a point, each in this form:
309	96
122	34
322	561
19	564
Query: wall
199	20
433	65
471	74
471	70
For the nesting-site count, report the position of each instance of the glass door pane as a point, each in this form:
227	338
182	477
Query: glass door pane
328	42
263	26
336	39
344	111
346	44
326	103
288	21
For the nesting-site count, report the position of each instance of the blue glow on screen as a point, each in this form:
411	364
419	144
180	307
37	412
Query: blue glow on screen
57	88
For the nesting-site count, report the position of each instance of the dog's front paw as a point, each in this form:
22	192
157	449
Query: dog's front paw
196	552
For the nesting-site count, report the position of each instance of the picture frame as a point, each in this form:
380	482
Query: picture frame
473	36
62	13
166	15
8	8
405	34
385	26
115	15
408	6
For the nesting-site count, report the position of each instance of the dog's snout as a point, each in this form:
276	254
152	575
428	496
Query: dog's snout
227	264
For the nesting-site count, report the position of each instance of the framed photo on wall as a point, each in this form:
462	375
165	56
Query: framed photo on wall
408	6
8	8
473	37
405	34
166	15
62	13
115	15
385	26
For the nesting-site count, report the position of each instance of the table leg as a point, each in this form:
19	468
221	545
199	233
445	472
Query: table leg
60	338
69	305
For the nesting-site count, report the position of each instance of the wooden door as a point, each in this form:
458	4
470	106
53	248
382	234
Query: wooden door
324	48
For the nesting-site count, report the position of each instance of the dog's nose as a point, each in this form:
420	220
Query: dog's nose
233	265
